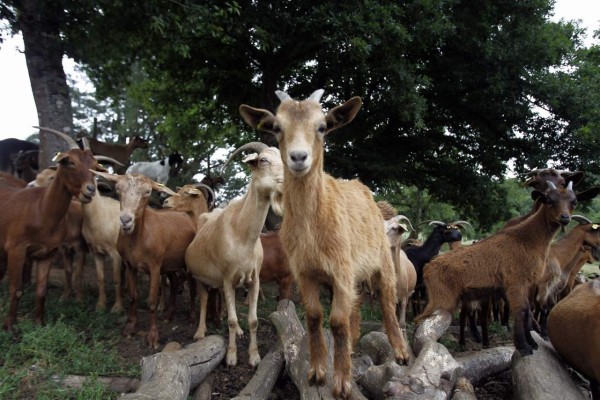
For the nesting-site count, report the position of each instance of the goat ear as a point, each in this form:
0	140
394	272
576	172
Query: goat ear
588	194
575	177
251	159
258	118
537	195
159	187
343	114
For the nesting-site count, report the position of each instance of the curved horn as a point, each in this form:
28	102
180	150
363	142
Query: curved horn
581	219
70	141
86	143
316	96
462	223
110	160
440	223
256	146
569	186
401	217
282	96
551	185
210	192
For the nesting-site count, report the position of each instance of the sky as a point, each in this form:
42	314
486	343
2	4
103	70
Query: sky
17	108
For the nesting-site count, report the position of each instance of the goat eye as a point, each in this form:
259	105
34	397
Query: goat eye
276	129
321	129
264	161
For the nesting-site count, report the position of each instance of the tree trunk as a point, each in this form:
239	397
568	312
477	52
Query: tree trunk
296	353
542	375
40	23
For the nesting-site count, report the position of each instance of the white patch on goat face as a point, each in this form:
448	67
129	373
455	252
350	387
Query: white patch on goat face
132	191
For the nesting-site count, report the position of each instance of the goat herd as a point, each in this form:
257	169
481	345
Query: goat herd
319	243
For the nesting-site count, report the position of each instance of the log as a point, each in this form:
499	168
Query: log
296	353
205	389
171	375
116	384
542	375
431	329
267	373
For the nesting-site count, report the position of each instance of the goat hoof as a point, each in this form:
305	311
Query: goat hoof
231	358
117	309
254	360
316	375
342	388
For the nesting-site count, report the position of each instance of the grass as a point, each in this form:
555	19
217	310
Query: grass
75	340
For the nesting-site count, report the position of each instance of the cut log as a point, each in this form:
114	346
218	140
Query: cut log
296	353
431	329
171	375
542	375
205	389
267	373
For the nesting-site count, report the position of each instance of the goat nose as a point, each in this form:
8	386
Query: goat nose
298	156
125	219
565	219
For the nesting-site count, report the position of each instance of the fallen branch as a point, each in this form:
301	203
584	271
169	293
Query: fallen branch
542	375
296	353
171	375
267	373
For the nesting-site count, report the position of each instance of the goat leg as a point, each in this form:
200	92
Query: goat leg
16	260
309	289
132	316
41	286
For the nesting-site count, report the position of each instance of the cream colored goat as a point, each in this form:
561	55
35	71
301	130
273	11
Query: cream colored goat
226	251
331	232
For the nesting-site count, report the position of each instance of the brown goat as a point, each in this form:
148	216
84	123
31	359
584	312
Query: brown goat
153	241
561	255
31	224
325	243
119	152
512	259
585	254
275	267
574	328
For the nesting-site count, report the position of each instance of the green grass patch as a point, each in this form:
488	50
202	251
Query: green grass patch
75	340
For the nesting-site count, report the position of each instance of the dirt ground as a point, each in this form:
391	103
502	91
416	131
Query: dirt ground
229	381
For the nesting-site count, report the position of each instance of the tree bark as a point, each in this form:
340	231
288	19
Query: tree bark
40	24
296	353
171	375
542	375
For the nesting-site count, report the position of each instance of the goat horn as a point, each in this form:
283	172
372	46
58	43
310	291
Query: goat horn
551	185
316	96
532	172
210	192
71	142
282	96
401	217
437	223
570	186
110	160
461	223
256	146
581	219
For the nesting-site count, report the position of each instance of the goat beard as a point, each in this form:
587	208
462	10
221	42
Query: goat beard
276	199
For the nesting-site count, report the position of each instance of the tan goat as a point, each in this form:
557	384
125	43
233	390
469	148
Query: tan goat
31	222
513	259
326	243
574	328
153	241
226	251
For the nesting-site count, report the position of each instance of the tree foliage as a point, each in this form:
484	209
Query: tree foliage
452	90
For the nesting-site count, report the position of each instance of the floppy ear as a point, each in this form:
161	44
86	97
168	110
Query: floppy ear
343	114
251	160
258	118
588	194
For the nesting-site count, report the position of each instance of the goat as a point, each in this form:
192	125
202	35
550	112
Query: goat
561	255
31	224
585	254
406	275
421	255
226	251
512	259
158	171
10	148
11	181
153	241
26	164
275	267
116	151
573	328
326	244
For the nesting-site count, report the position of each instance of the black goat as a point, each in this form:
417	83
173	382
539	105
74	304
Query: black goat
421	255
10	148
